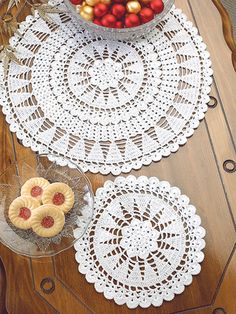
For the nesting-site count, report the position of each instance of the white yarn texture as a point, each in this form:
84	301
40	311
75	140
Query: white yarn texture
109	106
144	243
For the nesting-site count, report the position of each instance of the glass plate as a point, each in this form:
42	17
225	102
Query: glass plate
26	242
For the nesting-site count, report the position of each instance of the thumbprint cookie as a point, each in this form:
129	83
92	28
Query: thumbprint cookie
48	221
60	195
34	187
21	211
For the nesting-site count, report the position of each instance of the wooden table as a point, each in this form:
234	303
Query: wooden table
197	168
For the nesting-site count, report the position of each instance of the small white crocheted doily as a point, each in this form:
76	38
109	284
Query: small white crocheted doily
109	106
144	244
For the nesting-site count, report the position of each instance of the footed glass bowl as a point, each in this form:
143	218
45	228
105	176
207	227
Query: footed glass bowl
123	33
26	242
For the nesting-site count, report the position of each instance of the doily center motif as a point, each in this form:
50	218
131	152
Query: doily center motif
139	239
106	73
144	244
108	106
106	76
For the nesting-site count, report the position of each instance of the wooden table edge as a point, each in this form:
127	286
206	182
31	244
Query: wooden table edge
227	29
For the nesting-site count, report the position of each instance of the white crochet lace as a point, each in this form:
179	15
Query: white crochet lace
144	244
110	106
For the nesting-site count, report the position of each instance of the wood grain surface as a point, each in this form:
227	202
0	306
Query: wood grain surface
197	168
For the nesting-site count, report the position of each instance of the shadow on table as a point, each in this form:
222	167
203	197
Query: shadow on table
2	288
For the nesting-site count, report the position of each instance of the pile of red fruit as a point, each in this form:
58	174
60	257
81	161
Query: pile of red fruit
118	13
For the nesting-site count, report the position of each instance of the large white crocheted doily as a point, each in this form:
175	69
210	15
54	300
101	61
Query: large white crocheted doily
144	244
109	106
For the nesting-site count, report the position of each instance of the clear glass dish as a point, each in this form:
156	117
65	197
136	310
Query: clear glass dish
26	242
124	33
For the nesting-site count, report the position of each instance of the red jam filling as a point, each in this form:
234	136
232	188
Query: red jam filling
58	199
24	213
47	222
36	191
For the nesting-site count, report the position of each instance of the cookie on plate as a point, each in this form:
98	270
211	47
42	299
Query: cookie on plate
20	211
34	187
60	195
48	221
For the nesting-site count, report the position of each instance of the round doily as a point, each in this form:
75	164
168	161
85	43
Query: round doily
110	106
144	244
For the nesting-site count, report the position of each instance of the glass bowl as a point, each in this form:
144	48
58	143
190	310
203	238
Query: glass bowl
123	33
26	242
